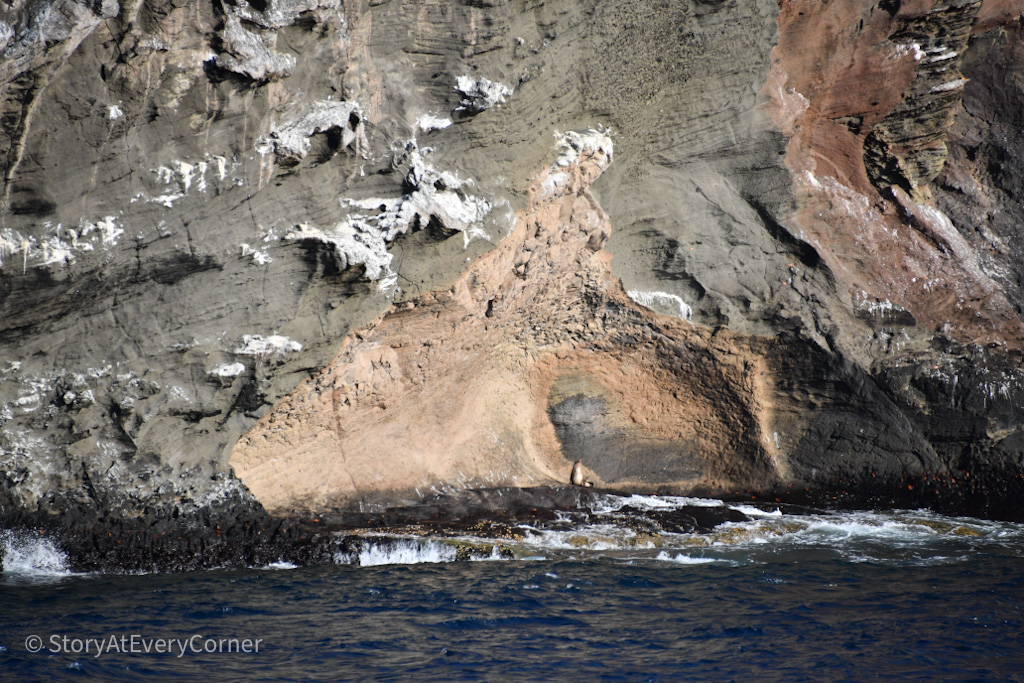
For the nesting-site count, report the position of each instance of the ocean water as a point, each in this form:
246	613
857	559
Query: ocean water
827	596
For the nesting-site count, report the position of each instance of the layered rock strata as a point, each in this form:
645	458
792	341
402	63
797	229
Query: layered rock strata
536	350
203	202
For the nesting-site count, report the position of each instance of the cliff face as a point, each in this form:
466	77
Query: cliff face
321	252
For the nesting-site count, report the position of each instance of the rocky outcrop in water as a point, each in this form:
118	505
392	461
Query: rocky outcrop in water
804	274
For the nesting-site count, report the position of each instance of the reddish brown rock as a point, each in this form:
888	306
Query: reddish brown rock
869	111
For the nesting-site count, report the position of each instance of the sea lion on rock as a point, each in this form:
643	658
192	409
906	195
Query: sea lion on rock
576	478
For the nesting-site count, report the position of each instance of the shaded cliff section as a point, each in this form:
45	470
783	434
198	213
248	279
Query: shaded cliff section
203	201
887	194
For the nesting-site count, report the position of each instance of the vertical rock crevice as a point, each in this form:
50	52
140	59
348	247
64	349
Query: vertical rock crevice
908	147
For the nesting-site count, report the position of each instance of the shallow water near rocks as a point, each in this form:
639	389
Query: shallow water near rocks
821	596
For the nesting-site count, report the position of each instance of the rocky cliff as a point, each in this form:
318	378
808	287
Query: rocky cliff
293	255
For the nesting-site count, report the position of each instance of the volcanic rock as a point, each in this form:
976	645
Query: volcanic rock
801	272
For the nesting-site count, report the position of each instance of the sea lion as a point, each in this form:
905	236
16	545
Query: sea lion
576	478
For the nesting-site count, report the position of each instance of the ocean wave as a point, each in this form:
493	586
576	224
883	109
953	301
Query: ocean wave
681	558
608	502
398	551
29	555
642	529
395	550
752	511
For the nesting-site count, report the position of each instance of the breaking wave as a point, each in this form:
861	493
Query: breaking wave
631	529
399	551
26	554
387	550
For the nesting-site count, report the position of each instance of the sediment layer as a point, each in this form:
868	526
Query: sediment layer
297	255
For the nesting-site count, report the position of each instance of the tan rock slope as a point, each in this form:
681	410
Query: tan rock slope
535	351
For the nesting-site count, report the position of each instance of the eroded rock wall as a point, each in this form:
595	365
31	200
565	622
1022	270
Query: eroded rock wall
813	212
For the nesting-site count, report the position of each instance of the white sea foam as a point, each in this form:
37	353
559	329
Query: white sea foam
282	565
401	551
681	558
826	529
591	537
606	503
894	538
609	530
751	511
30	555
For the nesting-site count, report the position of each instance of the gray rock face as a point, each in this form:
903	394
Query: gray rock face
979	187
200	200
188	178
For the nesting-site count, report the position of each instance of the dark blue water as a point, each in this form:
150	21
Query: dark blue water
848	598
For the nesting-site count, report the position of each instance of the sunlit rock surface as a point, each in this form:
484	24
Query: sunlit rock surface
805	272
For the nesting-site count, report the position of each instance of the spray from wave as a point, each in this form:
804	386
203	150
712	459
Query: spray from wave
647	529
27	554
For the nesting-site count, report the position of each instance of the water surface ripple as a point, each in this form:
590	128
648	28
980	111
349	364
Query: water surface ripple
848	596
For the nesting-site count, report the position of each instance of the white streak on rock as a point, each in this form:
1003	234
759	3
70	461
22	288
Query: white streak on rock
480	94
250	54
571	145
429	122
9	244
554	184
355	243
651	299
56	252
62	247
258	345
362	238
168	199
183	175
940	54
185	171
109	230
911	49
950	85
280	13
258	255
292	140
6	33
222	166
228	370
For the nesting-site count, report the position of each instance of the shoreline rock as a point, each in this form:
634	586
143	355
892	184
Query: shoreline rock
814	210
473	524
